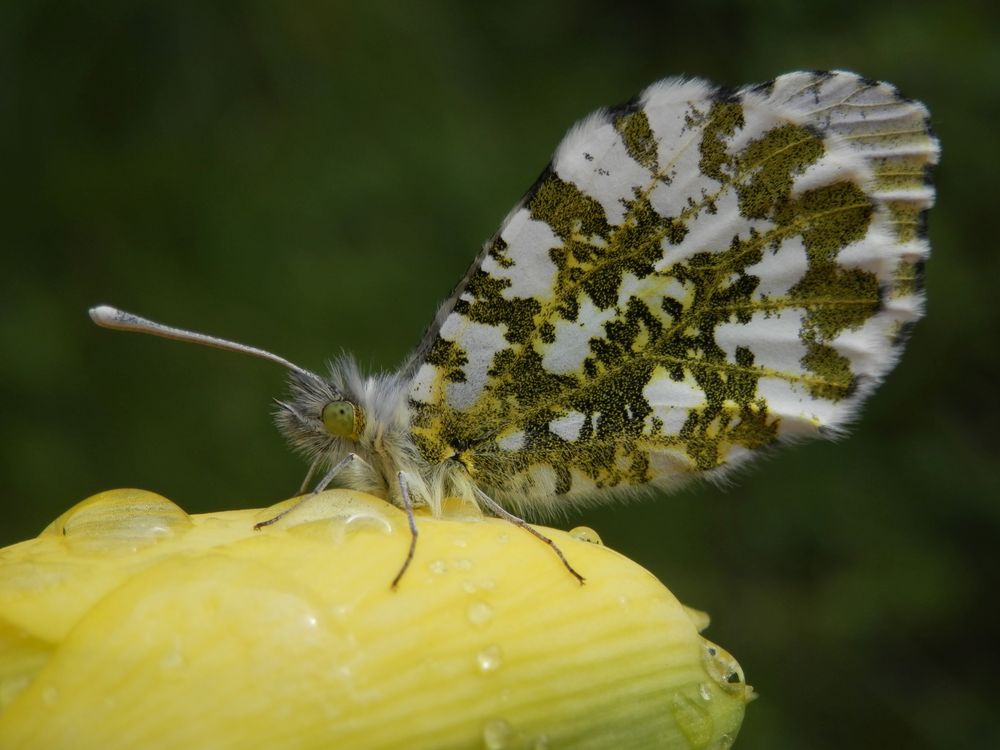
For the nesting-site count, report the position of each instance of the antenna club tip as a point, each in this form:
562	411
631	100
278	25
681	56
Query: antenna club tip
102	314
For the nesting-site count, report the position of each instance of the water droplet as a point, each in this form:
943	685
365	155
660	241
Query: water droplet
337	515
705	691
462	563
367	521
586	534
50	695
459	542
483	584
497	734
692	719
119	521
490	659
723	669
503	537
173	659
479	613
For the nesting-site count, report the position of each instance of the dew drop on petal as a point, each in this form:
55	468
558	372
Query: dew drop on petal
724	670
497	734
367	522
120	521
172	659
586	534
479	613
489	659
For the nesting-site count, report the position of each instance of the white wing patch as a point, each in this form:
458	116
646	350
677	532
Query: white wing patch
482	342
568	427
571	340
529	241
584	158
779	270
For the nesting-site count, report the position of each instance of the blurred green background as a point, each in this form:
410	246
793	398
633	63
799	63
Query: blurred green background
314	176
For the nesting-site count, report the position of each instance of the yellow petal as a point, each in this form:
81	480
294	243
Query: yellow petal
129	624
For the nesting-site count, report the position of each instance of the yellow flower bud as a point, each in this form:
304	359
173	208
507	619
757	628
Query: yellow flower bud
129	624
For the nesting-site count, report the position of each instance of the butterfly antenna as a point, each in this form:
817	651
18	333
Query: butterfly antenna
119	320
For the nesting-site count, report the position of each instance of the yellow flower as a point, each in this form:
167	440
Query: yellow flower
129	624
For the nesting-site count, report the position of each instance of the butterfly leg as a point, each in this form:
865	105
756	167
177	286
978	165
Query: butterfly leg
521	523
404	492
323	484
308	478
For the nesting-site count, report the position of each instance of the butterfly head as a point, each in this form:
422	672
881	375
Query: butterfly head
342	419
318	417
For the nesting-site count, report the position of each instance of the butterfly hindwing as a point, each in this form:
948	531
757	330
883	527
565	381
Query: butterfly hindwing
697	274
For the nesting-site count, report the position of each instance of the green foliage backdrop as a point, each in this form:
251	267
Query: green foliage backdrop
314	176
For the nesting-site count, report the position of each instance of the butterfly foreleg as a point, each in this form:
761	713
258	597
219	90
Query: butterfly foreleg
308	477
346	461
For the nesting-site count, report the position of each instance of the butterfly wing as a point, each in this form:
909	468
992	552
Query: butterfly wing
697	275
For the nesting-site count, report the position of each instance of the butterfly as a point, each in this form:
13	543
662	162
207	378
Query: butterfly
699	274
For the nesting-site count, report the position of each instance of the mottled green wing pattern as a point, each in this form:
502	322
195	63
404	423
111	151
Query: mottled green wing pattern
697	275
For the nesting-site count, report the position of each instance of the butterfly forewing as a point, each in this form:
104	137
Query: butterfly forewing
697	275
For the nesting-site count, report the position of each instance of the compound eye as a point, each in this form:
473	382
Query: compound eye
340	419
